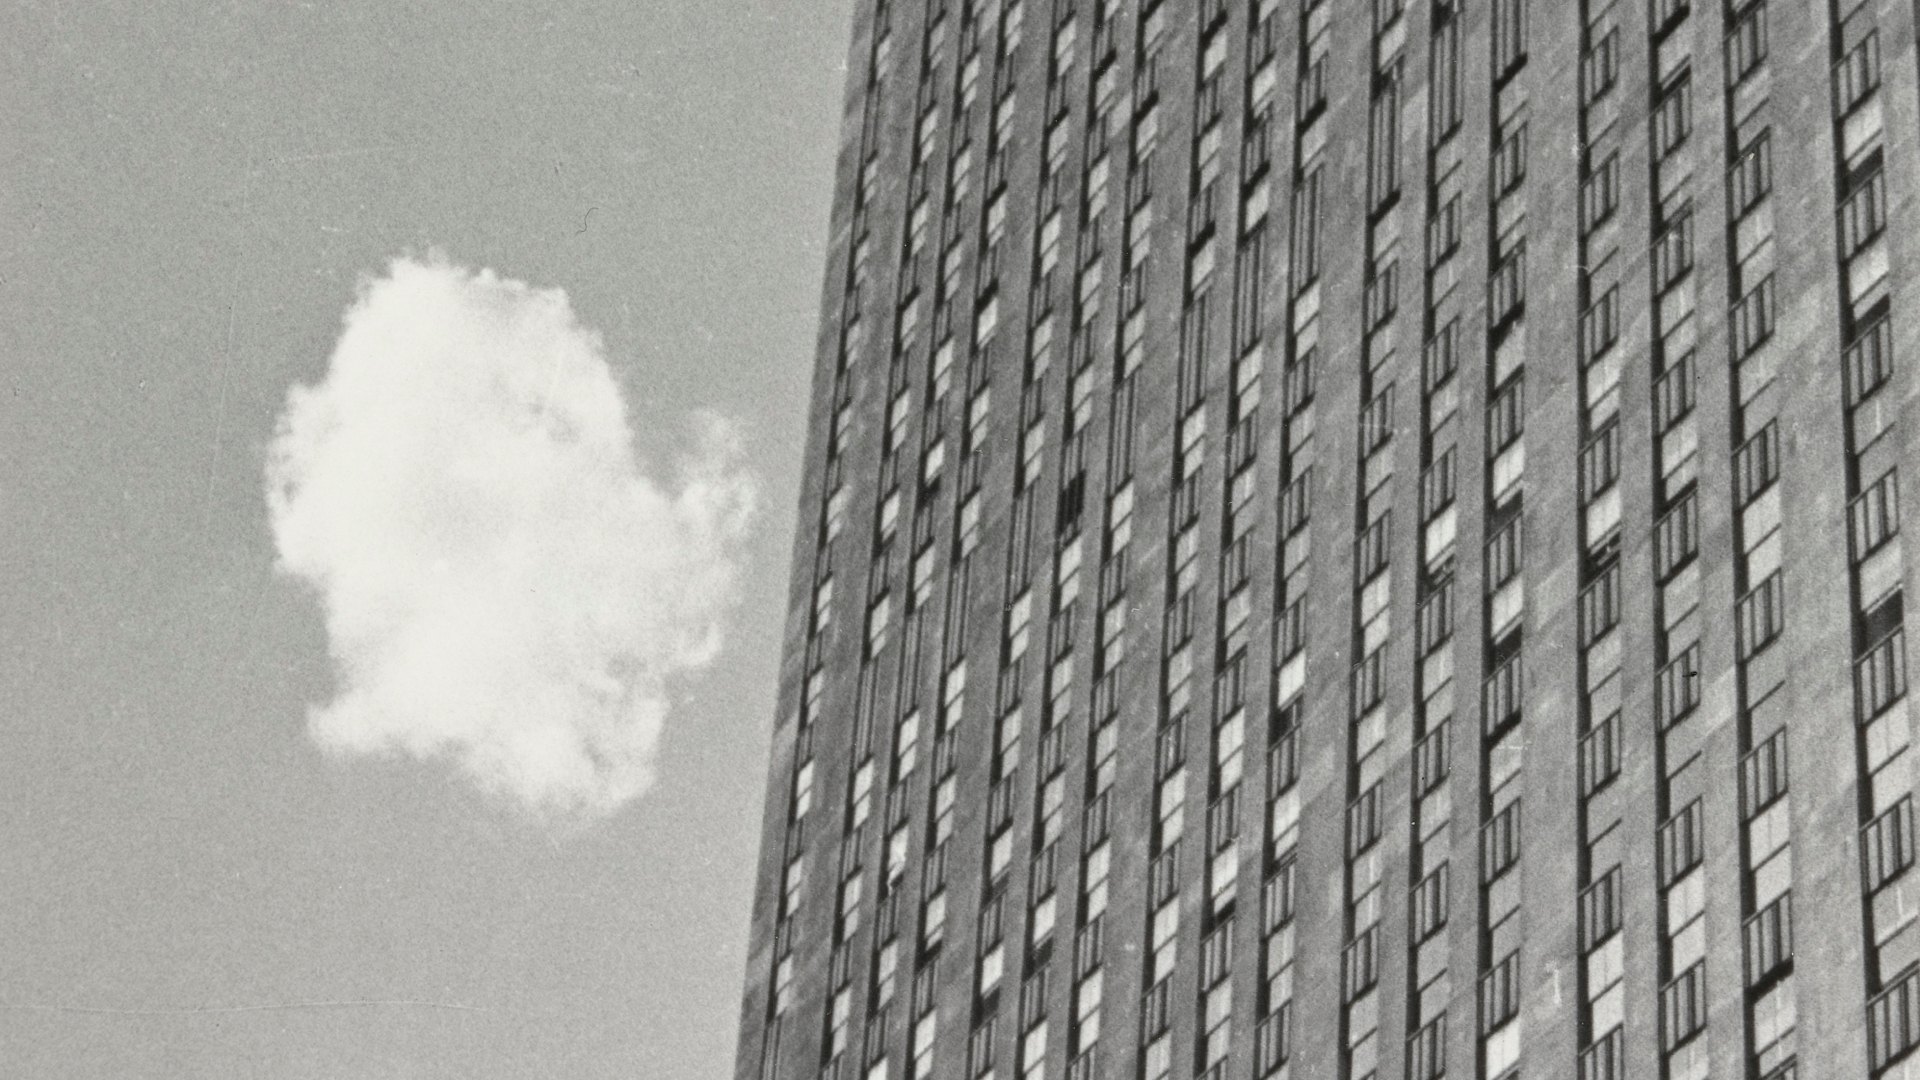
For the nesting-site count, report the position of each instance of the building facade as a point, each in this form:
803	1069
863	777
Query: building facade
1351	539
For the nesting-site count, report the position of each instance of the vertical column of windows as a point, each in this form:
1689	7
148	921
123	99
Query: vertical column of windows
1047	851
1373	576
840	1021
1213	201
920	233
1502	734
1766	856
1024	630
1601	941
1273	1037
803	793
1088	958
1680	781
1876	561
1428	861
1178	648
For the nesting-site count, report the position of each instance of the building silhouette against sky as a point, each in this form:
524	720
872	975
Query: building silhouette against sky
1354	539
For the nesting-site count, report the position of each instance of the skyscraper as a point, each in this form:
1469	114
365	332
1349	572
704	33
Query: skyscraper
1351	539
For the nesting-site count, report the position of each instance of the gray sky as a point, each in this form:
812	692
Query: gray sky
188	196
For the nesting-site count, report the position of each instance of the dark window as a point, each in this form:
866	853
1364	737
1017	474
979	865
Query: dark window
1683	1007
1875	515
1673	394
1757	463
1600	462
1761	615
1869	360
1880	676
1435	622
1600	193
1500	993
1600	606
1769	940
1600	910
1763	774
1509	36
1672	254
1430	760
1500	842
1857	75
1600	67
1510	160
1747	42
1680	844
1886	844
1751	178
1676	537
1676	689
1673	115
1600	755
1864	214
1503	696
1750	323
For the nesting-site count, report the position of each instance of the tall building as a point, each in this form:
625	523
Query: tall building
1354	539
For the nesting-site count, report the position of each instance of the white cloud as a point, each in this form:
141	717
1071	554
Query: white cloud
504	586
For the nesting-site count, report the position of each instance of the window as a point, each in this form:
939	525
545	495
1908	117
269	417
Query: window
1500	993
1370	551
1600	67
1857	75
1680	844
1760	616
1864	214
1435	624
1600	755
1769	939
1747	43
1886	844
1510	160
1673	394
1600	325
1363	821
1757	463
1600	193
1869	361
1504	554
1504	696
1445	76
1430	904
1383	178
1673	252
1600	462
1676	537
1600	909
1763	774
1880	676
1507	288
1360	964
1751	178
1443	232
1893	1021
1600	606
1430	760
1500	842
1306	231
1683	1007
1677	688
1673	115
1509	36
1875	515
1427	1052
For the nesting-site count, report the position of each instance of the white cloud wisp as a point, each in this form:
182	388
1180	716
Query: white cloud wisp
504	586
